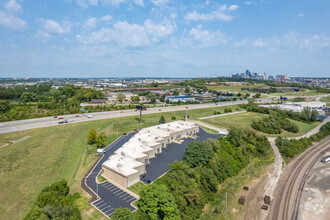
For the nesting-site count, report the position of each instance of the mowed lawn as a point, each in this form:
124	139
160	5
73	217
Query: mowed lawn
244	120
55	153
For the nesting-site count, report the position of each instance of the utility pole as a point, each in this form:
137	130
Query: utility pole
64	111
97	190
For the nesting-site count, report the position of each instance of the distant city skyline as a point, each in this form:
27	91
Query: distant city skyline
163	38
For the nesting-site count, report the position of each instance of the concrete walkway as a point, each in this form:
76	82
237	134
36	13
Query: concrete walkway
313	131
221	131
213	116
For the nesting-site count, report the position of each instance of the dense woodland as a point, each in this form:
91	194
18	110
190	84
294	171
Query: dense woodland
274	125
55	202
293	147
188	185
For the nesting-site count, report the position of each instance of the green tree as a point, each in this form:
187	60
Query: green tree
187	90
162	120
158	203
152	97
92	137
135	98
100	140
122	214
4	106
173	118
28	97
198	153
120	97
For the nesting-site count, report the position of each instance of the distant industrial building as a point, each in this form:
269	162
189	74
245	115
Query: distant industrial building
180	98
125	167
299	106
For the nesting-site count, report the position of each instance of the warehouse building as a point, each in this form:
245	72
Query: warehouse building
129	162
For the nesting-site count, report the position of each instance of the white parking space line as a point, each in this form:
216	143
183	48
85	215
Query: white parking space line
104	208
130	199
105	184
123	195
109	187
108	211
127	197
119	193
98	202
110	214
113	189
102	205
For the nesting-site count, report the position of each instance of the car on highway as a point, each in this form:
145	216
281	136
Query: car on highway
135	130
60	118
121	112
55	116
159	109
77	116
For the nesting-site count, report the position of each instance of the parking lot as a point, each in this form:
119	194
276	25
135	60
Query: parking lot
174	151
112	198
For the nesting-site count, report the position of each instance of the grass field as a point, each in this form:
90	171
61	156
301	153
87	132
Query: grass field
326	99
137	188
236	88
56	153
244	120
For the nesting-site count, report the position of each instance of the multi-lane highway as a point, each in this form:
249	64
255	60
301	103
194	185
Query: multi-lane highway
12	126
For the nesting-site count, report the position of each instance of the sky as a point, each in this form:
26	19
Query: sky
163	38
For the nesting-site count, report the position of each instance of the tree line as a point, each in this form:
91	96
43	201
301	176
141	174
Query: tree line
290	148
274	125
307	115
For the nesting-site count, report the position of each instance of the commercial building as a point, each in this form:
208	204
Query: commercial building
125	167
180	98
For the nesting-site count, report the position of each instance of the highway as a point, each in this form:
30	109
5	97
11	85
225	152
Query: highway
287	196
13	126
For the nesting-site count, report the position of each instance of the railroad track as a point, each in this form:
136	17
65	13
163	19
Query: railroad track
286	194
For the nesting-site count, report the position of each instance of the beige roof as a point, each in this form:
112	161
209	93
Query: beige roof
125	158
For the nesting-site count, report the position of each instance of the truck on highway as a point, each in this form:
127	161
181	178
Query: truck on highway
89	116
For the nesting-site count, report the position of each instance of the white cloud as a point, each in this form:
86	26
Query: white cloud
301	15
207	38
51	26
259	43
160	2
11	21
247	3
122	33
221	13
13	6
158	30
87	3
130	35
106	18
90	23
233	7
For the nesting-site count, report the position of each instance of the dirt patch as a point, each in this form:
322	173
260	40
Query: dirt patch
19	139
255	196
316	197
